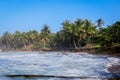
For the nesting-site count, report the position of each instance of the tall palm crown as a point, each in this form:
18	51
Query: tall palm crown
100	22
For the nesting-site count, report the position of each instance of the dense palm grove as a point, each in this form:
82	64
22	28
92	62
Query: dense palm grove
75	35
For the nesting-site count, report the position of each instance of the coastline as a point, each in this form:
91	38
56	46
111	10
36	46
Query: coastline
114	69
94	51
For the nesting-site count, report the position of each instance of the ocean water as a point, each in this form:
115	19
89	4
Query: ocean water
56	66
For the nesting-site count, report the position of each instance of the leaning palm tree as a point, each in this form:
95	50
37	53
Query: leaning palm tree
70	33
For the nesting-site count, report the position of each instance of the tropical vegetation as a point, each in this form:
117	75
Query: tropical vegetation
75	35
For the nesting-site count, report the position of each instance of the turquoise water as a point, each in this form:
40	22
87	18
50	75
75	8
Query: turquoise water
67	64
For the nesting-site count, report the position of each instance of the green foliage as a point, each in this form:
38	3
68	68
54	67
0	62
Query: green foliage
109	37
72	35
77	33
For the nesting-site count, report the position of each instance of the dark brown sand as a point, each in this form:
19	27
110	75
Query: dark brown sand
115	69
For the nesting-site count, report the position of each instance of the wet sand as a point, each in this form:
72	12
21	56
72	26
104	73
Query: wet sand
115	69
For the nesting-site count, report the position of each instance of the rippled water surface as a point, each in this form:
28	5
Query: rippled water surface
86	66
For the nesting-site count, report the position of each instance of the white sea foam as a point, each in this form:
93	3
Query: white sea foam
112	61
55	63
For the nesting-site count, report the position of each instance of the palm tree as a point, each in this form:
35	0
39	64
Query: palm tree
100	22
90	31
73	32
16	41
32	35
45	32
5	39
78	33
24	40
69	32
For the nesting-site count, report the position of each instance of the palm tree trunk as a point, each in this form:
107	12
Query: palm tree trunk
43	43
78	43
25	47
75	44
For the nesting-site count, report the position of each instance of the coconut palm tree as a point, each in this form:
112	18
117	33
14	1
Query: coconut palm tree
100	22
32	35
78	33
5	40
69	31
44	34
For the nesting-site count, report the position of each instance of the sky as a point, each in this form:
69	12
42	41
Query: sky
25	15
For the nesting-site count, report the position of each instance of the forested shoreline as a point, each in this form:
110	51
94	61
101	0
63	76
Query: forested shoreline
73	35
